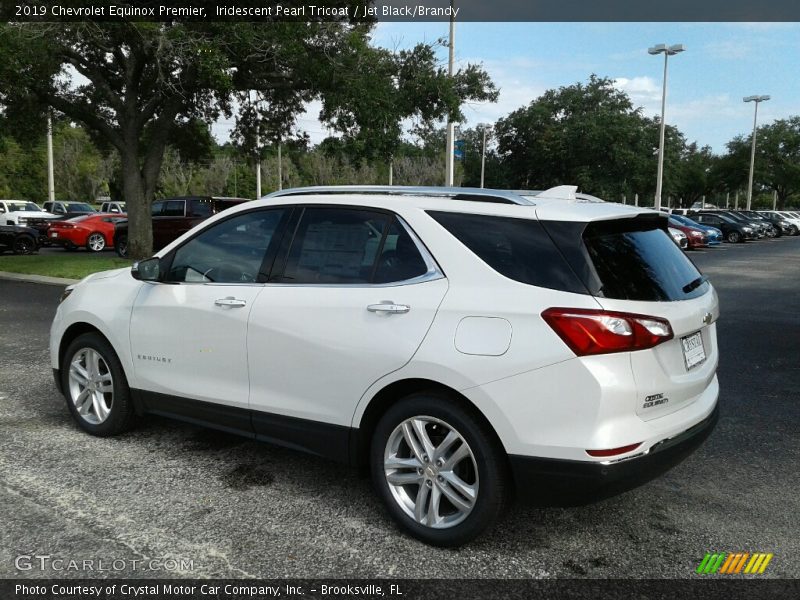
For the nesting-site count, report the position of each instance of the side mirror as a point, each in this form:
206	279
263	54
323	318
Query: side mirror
147	270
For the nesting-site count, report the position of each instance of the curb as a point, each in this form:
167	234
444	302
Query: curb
37	278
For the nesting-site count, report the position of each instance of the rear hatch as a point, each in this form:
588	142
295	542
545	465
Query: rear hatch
629	264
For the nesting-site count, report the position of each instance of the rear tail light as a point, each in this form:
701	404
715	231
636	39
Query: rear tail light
588	331
62	226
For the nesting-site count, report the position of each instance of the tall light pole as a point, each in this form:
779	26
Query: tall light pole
755	99
51	188
667	51
484	127
450	126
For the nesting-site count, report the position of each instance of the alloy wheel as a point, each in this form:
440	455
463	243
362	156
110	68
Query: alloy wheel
431	472
24	245
91	385
96	242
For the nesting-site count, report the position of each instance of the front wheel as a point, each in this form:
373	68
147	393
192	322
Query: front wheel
439	471
733	237
95	242
95	386
121	245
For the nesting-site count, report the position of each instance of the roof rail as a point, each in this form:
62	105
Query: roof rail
455	193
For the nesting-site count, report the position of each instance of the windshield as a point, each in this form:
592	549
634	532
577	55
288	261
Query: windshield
23	207
79	206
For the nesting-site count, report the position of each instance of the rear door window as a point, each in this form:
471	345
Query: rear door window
173	208
336	246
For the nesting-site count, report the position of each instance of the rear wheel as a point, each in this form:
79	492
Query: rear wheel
121	245
95	242
733	237
441	475
95	387
24	244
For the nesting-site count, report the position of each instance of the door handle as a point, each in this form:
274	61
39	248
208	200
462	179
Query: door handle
389	307
231	302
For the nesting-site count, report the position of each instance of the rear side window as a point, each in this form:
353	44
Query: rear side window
519	249
631	262
201	208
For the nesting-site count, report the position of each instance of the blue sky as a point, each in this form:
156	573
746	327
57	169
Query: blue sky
723	62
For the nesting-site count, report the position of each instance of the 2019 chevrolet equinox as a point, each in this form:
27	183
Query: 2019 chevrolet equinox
462	343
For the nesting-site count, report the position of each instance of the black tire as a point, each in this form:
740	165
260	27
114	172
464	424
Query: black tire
24	244
122	415
95	242
794	230
492	468
734	237
121	246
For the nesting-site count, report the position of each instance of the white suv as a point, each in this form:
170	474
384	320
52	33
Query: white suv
462	343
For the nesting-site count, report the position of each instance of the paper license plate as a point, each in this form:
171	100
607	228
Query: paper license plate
693	351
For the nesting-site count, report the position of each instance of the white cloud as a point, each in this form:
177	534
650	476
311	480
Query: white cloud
642	90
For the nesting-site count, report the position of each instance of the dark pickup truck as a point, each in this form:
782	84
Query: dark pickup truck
172	217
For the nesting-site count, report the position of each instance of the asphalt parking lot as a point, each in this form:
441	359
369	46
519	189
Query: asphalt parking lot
235	508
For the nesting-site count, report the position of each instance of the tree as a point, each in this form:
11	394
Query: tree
695	175
777	161
588	134
133	85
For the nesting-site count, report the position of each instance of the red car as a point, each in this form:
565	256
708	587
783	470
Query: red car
95	232
697	237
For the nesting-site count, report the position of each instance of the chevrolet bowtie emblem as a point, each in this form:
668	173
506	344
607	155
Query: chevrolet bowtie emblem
707	318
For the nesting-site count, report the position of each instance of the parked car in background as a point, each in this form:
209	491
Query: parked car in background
714	236
112	207
18	212
93	232
765	226
758	226
791	216
172	217
679	238
785	226
384	340
67	210
733	230
20	240
696	237
776	230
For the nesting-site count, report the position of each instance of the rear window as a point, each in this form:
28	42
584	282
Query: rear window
635	262
519	249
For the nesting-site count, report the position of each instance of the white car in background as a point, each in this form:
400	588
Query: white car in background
18	212
679	238
460	343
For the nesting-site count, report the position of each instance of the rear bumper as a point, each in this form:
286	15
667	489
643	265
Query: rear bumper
547	478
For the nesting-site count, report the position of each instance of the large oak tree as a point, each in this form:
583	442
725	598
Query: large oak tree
134	85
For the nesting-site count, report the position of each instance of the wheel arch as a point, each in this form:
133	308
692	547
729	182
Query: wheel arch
79	328
393	393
